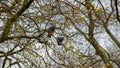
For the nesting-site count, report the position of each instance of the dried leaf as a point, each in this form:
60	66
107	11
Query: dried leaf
68	26
53	21
44	8
64	14
33	44
79	58
61	57
38	18
81	19
18	29
100	11
27	49
37	55
83	66
107	65
71	9
66	49
59	0
77	10
71	47
88	11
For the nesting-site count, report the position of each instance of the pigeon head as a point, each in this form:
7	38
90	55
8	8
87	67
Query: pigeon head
52	28
60	40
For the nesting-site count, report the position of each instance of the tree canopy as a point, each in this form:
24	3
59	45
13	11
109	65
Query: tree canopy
59	34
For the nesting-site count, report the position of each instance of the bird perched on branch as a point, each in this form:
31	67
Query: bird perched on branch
60	40
51	30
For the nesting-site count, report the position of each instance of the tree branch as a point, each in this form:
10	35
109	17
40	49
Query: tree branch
12	20
117	11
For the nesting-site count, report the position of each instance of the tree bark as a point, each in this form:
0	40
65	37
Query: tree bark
112	36
99	50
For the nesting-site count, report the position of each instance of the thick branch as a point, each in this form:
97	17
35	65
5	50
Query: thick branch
4	62
117	11
112	36
13	19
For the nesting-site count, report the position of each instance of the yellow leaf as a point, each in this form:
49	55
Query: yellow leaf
71	9
64	14
61	57
68	26
107	65
88	11
59	0
83	66
67	39
37	55
27	49
86	4
66	49
53	21
38	18
19	29
79	58
33	44
77	10
64	44
71	47
81	19
100	11
93	5
44	8
80	4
